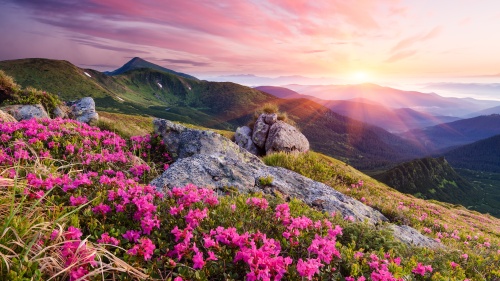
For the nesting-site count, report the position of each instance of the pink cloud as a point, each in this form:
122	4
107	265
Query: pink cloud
400	55
410	41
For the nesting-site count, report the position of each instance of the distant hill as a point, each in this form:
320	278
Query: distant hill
394	98
483	155
455	133
429	178
488	111
219	105
138	63
284	93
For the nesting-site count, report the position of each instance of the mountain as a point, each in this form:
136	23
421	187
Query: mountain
455	133
483	155
219	105
488	111
138	63
429	178
394	98
392	120
285	93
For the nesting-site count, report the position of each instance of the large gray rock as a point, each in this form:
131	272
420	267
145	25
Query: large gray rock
25	112
5	117
286	138
208	159
83	110
243	138
260	130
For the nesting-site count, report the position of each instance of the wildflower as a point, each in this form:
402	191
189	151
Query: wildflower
132	235
453	265
145	249
308	268
106	239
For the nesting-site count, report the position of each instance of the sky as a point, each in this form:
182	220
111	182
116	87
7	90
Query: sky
423	41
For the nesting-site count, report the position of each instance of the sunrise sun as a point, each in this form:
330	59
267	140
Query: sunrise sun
361	76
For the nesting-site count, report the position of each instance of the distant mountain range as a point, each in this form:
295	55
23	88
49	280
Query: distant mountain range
254	80
455	133
393	98
133	89
368	111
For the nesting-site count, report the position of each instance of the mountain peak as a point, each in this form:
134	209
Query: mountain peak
137	63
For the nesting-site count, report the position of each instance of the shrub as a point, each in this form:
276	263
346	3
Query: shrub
263	181
269	108
11	93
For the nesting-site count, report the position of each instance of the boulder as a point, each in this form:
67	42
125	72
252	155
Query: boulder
243	138
207	159
5	117
61	111
286	138
83	110
270	118
25	112
260	130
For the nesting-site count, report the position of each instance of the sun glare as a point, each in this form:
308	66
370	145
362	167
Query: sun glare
361	77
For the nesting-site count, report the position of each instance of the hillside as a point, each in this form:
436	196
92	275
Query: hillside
483	155
488	111
285	93
455	133
219	105
430	178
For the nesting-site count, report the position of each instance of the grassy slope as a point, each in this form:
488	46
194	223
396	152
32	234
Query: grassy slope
442	216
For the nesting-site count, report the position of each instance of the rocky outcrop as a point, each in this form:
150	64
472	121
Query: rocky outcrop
286	138
83	110
25	112
208	159
61	111
270	135
5	117
411	236
243	138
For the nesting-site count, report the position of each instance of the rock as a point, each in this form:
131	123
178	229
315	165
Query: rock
243	138
83	110
207	159
25	112
270	118
61	111
286	138
410	236
183	142
5	117
260	130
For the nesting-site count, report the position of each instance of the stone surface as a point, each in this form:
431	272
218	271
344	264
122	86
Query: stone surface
6	117
61	111
259	132
208	159
243	138
25	112
270	118
83	110
411	236
286	138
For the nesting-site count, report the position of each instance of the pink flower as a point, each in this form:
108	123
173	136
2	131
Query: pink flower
422	269
102	209
308	268
106	239
258	202
77	201
465	256
233	207
132	235
453	265
198	260
145	248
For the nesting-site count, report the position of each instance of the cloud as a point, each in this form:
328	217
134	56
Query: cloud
410	41
401	55
188	62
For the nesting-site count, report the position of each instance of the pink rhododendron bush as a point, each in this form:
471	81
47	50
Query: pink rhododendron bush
76	206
